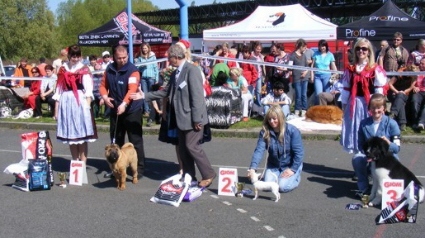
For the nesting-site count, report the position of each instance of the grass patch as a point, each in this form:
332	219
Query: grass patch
252	123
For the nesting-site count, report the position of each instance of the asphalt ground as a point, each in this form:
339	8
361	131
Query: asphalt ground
98	209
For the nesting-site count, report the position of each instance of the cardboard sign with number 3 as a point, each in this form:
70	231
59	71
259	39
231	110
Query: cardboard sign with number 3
391	191
226	181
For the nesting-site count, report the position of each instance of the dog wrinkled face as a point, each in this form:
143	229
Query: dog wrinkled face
375	148
112	153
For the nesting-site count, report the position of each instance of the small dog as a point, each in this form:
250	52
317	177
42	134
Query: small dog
119	160
24	114
324	114
261	185
386	166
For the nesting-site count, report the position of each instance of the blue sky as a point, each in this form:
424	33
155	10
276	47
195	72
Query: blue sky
162	4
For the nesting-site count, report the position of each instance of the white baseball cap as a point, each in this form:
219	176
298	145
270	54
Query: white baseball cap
105	53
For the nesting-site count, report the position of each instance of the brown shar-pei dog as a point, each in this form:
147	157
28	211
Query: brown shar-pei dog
119	160
324	114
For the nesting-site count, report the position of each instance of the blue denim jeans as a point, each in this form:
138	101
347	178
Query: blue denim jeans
285	184
359	162
361	170
300	94
146	87
321	84
258	91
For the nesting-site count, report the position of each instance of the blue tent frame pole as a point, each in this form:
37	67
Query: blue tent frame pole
130	33
184	19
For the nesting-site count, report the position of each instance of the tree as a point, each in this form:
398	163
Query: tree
27	30
79	16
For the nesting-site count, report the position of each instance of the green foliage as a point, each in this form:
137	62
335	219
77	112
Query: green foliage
78	16
29	29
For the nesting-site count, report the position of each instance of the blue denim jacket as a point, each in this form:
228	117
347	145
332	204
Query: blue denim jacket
289	154
150	70
387	127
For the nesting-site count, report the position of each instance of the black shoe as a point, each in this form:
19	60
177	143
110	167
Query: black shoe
149	123
354	178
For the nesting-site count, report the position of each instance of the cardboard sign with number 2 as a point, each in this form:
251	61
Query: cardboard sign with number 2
226	181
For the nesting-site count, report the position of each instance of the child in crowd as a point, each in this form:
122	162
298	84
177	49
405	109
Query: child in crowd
277	97
378	124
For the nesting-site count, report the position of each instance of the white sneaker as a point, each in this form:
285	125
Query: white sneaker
421	126
303	113
297	113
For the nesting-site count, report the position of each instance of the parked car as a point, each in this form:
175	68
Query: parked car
9	70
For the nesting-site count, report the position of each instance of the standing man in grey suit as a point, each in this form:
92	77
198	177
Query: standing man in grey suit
185	94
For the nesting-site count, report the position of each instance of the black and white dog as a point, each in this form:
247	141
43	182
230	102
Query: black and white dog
386	166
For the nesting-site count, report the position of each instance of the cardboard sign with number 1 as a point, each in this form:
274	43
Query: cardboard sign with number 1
76	172
226	181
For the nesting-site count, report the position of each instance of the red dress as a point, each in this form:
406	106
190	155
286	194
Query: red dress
35	89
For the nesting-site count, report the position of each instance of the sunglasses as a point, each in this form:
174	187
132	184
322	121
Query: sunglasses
396	39
362	49
106	56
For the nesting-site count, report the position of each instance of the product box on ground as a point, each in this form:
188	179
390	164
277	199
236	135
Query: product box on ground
37	148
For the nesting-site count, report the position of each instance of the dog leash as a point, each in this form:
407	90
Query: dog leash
265	164
115	131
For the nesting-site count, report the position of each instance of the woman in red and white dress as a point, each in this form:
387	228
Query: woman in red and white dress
74	93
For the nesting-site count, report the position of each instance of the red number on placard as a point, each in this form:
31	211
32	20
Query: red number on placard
226	187
75	173
393	195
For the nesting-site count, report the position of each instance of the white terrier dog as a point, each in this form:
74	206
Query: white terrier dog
261	185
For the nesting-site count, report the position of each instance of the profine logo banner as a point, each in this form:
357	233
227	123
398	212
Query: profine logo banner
359	33
388	18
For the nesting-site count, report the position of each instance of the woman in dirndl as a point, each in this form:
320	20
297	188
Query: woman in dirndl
74	93
360	82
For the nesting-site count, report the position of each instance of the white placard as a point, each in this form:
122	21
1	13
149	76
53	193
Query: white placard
392	189
76	172
226	181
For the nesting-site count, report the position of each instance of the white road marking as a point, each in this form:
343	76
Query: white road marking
241	210
227	203
215	196
255	219
269	228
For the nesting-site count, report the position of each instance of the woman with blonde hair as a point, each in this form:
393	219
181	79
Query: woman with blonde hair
360	82
284	145
238	81
148	72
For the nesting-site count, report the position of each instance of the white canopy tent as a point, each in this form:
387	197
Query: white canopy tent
265	25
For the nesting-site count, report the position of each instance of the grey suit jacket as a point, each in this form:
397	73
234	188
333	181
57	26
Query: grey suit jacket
188	99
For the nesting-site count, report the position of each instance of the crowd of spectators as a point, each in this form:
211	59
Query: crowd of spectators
260	85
